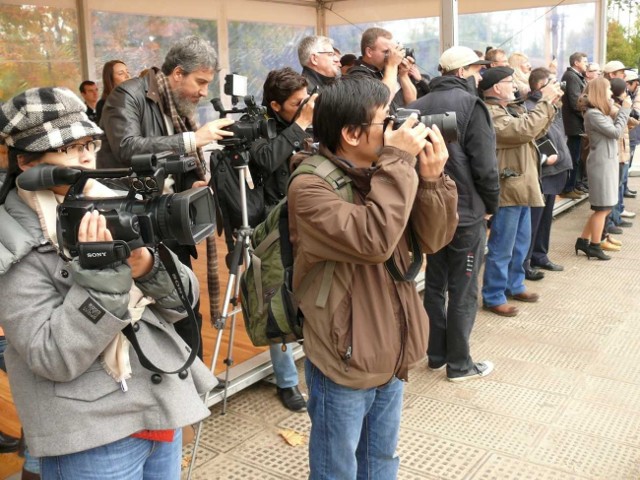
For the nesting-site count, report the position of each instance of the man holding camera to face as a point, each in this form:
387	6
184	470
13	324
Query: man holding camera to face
453	271
288	103
360	343
157	113
519	166
385	60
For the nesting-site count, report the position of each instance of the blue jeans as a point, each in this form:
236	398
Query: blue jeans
284	367
509	242
354	433
126	459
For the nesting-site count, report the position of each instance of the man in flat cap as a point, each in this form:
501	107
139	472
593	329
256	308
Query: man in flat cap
453	271
518	166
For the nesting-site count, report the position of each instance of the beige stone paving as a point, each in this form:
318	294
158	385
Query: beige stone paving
563	402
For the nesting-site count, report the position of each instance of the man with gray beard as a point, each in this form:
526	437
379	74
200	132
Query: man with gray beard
156	113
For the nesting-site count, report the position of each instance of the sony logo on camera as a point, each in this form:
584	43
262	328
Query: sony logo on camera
96	254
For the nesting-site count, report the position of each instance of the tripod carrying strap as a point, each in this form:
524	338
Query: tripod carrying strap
129	331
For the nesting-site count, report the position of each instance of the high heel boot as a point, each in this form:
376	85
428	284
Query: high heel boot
595	250
582	244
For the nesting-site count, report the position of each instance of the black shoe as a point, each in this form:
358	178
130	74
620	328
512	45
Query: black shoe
630	194
613	230
436	366
552	267
533	274
625	224
292	399
582	245
595	250
8	444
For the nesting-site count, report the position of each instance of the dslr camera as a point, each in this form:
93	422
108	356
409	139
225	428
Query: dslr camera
142	216
563	86
446	122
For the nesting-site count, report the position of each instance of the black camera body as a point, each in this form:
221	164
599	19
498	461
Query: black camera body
563	86
253	124
143	215
446	122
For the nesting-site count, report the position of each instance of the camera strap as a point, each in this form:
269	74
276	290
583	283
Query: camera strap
129	331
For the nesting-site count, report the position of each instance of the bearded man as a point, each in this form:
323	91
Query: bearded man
156	113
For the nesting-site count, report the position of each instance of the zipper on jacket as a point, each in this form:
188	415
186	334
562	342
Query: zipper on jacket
347	357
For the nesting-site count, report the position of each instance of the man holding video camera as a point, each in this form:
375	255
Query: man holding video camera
157	113
453	271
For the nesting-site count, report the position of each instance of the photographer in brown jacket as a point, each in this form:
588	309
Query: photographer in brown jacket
372	328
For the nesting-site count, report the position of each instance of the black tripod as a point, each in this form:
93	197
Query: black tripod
239	253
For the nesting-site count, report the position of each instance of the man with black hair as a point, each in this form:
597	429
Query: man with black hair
285	96
89	92
369	326
575	82
453	271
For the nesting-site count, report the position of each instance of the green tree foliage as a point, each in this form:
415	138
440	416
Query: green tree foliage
38	47
619	47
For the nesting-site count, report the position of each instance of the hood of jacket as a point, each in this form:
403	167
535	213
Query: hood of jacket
20	232
447	82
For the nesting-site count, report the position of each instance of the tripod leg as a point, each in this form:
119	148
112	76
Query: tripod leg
240	249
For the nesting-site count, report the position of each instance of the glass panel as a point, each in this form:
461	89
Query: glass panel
421	34
528	30
142	41
257	48
38	46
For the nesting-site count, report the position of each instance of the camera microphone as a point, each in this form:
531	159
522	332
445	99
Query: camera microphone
44	176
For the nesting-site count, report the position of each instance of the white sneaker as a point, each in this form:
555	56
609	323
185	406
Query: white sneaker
627	214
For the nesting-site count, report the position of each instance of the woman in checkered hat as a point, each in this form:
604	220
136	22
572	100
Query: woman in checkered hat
88	408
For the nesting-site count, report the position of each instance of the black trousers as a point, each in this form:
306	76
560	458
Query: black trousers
541	219
451	298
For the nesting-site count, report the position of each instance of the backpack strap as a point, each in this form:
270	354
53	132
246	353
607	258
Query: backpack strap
341	184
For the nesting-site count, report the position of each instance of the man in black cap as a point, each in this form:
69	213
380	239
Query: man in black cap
472	165
518	166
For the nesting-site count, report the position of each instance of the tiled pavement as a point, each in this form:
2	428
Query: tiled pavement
563	402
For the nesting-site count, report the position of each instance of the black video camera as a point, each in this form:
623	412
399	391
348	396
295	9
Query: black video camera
253	124
446	122
563	86
142	216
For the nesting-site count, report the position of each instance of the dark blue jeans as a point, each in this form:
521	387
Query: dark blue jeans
354	433
453	271
541	220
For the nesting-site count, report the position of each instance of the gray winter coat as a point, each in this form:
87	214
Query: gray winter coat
59	317
602	162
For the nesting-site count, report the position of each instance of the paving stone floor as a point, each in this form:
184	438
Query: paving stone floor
563	402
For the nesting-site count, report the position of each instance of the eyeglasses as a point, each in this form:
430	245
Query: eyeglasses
91	146
331	54
384	123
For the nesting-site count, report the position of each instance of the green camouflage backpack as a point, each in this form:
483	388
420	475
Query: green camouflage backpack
269	309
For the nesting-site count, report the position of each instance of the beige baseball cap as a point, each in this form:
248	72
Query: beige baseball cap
457	57
613	66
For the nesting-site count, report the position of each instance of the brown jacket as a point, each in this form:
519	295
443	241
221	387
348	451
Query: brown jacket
372	327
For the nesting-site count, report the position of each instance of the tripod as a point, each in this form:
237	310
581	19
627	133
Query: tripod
240	251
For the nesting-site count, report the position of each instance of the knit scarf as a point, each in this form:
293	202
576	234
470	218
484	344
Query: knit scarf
182	125
115	357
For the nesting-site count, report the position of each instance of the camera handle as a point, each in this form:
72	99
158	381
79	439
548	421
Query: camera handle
240	252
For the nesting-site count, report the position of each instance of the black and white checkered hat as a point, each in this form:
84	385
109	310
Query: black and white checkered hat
42	119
